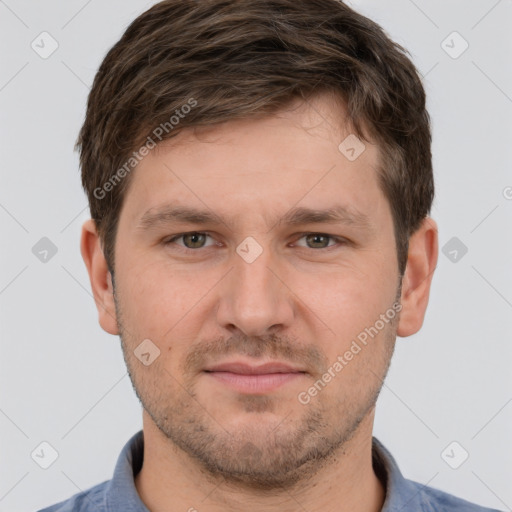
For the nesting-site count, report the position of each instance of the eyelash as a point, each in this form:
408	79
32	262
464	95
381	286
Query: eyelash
338	240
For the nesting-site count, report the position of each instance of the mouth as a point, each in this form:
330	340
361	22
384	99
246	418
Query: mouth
254	379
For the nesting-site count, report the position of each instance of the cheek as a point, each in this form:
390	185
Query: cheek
350	302
159	300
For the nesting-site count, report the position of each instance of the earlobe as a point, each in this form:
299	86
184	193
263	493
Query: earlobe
99	276
421	263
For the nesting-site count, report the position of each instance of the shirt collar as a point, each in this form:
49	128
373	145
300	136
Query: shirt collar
121	493
401	494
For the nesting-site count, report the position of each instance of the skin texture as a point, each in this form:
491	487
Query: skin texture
302	301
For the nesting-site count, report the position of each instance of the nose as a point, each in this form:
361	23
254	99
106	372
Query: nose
254	297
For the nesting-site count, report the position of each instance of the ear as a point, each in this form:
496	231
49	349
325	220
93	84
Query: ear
421	263
100	277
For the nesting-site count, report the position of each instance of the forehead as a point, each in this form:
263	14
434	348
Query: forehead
301	157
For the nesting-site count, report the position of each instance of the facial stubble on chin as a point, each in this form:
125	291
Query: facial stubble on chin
255	457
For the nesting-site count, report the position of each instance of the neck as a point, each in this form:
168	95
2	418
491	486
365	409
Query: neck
171	480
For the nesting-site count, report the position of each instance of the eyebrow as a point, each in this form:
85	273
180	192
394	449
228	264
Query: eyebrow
170	214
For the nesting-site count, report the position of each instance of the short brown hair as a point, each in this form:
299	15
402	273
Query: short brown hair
246	59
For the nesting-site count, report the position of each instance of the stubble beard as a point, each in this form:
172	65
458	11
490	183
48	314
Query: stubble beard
274	454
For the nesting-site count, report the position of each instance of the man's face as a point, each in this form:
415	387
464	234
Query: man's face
249	290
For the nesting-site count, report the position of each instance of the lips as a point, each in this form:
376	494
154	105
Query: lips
254	379
246	369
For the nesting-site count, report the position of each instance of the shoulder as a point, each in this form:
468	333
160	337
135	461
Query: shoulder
90	500
404	494
435	500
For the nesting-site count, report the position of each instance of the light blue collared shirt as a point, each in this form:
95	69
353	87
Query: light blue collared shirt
120	494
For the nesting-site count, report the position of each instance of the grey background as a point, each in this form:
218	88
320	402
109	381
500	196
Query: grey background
63	380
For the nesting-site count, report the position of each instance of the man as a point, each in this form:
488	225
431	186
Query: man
259	176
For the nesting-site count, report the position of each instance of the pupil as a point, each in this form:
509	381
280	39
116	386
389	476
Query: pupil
195	239
317	239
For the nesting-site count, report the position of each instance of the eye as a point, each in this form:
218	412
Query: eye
192	240
197	240
320	240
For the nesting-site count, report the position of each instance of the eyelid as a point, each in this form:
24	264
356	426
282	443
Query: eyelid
339	240
181	235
